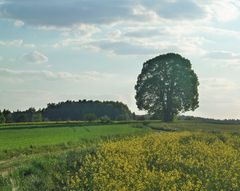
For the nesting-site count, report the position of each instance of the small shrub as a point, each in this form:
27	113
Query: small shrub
90	117
146	123
105	119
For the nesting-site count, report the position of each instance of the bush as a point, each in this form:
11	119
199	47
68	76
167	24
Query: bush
90	117
49	173
105	119
146	123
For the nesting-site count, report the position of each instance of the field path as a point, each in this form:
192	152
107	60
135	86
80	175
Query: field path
8	164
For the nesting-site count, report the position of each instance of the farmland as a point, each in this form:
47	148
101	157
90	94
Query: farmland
33	137
150	155
172	161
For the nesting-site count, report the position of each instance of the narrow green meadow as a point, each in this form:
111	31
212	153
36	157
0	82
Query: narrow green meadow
34	137
195	126
21	138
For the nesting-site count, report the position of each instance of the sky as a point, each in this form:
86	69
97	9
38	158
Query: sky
53	50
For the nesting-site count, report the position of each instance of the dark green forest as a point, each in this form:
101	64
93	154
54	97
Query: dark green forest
71	110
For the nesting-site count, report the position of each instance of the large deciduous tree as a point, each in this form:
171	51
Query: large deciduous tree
167	86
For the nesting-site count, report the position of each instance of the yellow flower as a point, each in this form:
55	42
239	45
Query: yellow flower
165	161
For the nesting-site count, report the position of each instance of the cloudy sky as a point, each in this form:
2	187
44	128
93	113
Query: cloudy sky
53	50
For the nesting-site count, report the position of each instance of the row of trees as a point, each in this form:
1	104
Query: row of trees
71	110
29	115
208	120
77	110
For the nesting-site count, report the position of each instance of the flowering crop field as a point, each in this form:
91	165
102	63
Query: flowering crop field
134	156
181	161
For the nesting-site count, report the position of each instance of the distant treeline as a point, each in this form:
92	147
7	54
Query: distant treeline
71	110
209	120
89	110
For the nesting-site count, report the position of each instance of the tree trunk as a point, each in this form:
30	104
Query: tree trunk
167	116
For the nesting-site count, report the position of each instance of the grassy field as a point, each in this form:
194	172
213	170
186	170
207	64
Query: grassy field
30	138
195	126
53	156
21	137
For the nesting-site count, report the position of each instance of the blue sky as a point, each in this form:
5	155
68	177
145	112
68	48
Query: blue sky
54	51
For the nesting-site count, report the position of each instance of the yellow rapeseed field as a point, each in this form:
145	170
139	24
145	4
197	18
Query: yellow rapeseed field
180	161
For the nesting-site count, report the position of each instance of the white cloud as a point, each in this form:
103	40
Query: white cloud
81	12
125	48
214	84
224	10
81	85
225	59
50	75
143	27
143	12
177	9
18	23
133	38
80	35
115	34
122	44
40	98
219	98
35	57
16	43
96	12
223	55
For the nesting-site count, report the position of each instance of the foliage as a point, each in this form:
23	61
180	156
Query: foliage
44	174
170	161
76	110
50	172
105	119
90	117
37	117
2	118
71	110
166	86
24	116
5	184
7	115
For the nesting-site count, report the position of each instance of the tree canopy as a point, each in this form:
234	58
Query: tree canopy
77	110
2	118
71	110
167	86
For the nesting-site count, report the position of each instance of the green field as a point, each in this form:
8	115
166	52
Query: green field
30	138
196	126
35	136
40	156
